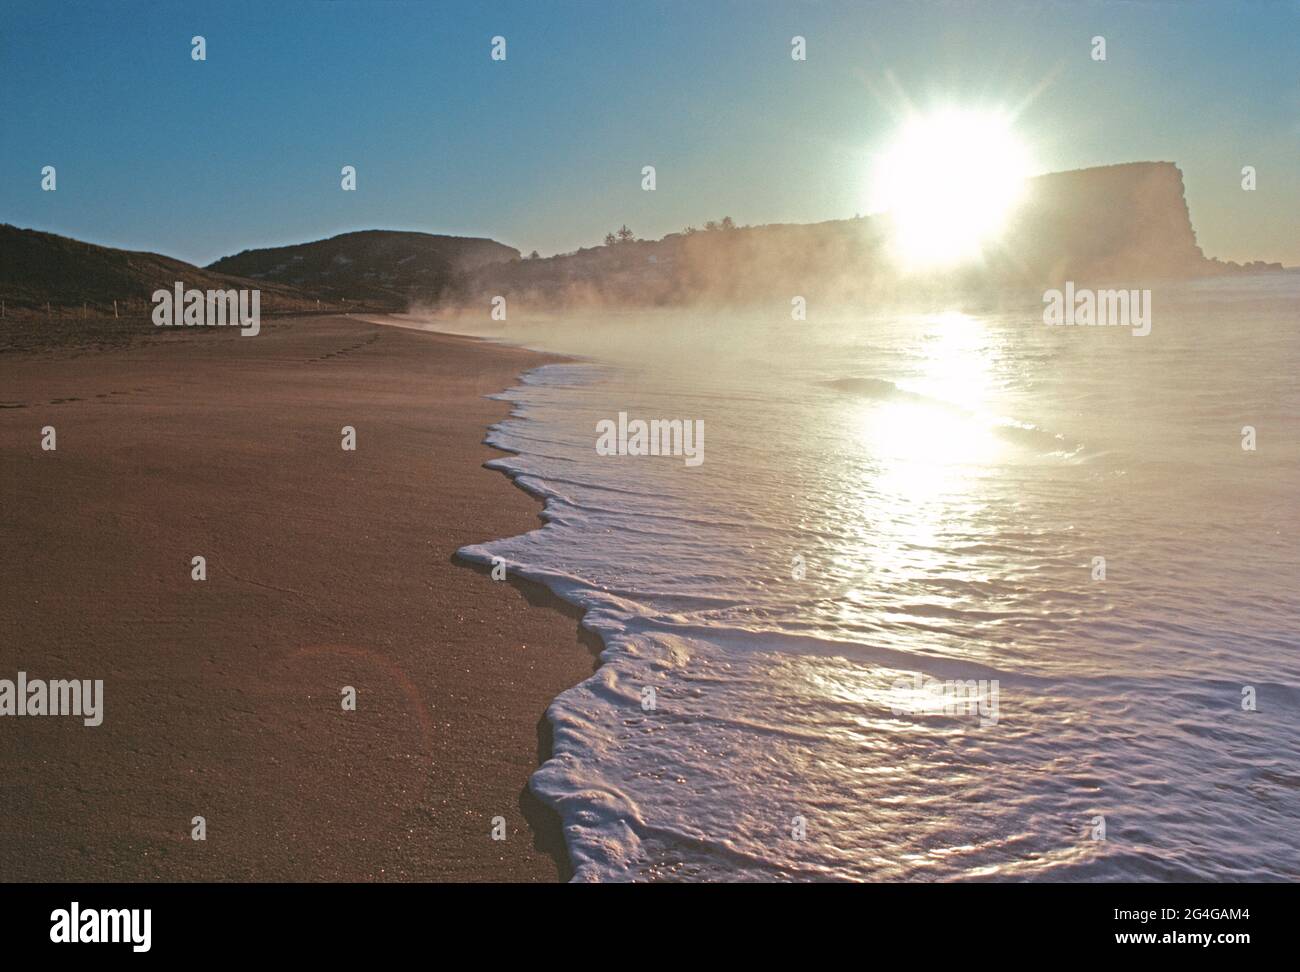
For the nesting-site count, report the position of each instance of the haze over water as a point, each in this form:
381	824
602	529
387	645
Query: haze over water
947	478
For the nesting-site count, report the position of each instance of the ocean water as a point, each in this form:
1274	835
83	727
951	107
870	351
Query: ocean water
890	499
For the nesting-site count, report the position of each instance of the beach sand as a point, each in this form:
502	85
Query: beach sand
325	568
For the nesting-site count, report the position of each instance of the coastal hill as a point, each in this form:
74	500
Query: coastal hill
1126	224
38	268
378	267
1120	225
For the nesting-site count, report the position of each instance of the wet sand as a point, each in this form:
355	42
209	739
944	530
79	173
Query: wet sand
326	568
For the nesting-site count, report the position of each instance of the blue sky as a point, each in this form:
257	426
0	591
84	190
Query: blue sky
544	150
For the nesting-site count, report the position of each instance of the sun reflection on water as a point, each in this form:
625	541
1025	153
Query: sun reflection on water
931	435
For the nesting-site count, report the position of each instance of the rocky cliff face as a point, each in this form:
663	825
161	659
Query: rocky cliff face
1114	222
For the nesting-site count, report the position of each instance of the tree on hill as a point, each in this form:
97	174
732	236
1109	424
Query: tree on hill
727	223
609	239
625	235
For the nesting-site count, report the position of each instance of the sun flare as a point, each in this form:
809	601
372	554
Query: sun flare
947	185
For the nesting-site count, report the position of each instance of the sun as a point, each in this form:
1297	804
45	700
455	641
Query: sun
947	185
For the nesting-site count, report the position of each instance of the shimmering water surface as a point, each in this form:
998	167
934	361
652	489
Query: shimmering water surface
945	480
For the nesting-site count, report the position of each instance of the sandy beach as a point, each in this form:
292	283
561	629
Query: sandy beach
325	568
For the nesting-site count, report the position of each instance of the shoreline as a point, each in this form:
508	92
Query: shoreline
222	696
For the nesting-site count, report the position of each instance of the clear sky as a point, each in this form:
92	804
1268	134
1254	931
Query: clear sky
544	150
